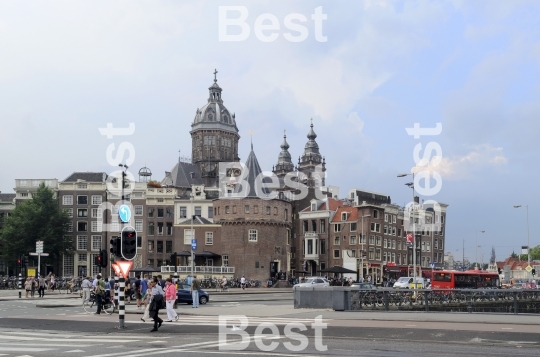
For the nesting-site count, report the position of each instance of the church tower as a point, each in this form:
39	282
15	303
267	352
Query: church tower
311	159
214	136
284	164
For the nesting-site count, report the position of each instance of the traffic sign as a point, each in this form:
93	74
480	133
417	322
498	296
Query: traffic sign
124	213
42	254
193	244
39	246
528	268
432	265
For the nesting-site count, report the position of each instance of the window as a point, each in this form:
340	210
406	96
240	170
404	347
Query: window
168	247
168	213
159	246
83	257
393	257
371	240
183	212
97	213
393	231
378	240
82	186
209	238
150	262
375	227
393	219
252	235
69	212
353	240
385	229
423	246
371	254
336	253
24	194
377	254
362	239
375	213
394	244
139	241
160	200
150	246
399	245
323	226
275	211
353	227
160	228
82	200
96	200
386	217
67	200
69	227
323	246
82	242
441	245
314	226
436	218
306	226
160	212
399	232
337	227
68	265
82	227
138	210
169	229
188	236
23	183
82	212
267	209
288	236
344	216
285	215
210	212
96	242
96	226
442	219
428	246
246	209
138	225
436	242
385	245
225	260
336	241
151	227
313	207
227	210
353	253
151	212
384	257
209	140
198	210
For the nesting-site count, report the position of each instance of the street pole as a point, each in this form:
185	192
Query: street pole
463	261
122	281
476	263
192	237
528	242
414	235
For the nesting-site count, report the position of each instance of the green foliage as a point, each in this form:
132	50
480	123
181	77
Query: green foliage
535	254
39	218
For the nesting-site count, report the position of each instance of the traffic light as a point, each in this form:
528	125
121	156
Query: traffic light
19	263
25	261
115	246
103	258
128	243
173	259
97	260
533	272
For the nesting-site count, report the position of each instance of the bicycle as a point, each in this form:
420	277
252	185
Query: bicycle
90	304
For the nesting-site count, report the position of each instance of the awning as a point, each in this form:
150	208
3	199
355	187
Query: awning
392	269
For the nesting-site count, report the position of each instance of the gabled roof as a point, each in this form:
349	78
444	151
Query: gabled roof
352	214
87	177
330	204
514	263
197	221
180	175
7	197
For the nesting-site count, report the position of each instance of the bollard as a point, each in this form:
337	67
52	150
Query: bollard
426	299
469	302
385	297
20	285
515	303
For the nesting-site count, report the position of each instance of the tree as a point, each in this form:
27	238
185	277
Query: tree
39	218
535	254
492	260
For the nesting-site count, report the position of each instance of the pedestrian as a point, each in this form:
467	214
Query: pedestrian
144	289
107	287
52	282
170	298
243	282
223	282
41	286
86	286
195	286
161	282
34	286
147	298
100	294
127	291
28	286
155	304
138	295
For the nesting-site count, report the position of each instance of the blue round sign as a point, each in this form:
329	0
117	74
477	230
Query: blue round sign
124	213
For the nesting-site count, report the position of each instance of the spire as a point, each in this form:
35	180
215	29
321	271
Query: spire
215	77
311	146
215	90
254	170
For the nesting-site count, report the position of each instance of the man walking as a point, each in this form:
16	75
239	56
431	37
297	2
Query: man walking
100	293
155	304
41	286
243	282
195	286
138	294
86	285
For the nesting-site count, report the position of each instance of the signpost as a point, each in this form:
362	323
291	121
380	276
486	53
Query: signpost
193	244
39	253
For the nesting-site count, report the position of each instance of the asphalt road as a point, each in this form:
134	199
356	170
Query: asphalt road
29	331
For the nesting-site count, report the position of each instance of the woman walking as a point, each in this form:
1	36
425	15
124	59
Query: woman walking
170	297
155	304
28	286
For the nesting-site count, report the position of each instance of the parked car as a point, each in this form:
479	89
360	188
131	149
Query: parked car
363	286
183	295
313	281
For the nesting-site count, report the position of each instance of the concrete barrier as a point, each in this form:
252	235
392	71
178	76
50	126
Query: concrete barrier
313	298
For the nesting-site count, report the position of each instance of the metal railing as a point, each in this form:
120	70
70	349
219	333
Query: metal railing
198	269
445	300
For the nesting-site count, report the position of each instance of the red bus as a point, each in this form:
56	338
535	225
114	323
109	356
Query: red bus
471	279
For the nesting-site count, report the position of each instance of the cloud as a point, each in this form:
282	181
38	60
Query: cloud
356	122
482	157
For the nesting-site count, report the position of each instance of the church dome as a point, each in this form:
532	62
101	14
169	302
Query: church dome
214	115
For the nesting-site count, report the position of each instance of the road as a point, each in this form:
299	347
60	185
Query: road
26	330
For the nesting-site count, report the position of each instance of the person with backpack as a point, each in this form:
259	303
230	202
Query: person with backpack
170	298
100	293
156	303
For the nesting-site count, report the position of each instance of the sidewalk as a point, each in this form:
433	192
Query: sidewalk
10	295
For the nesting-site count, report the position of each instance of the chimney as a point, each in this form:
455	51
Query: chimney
416	199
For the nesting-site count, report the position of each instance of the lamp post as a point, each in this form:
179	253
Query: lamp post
477	248
411	185
192	236
528	240
122	281
363	238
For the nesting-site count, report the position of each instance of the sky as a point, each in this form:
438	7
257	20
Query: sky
365	71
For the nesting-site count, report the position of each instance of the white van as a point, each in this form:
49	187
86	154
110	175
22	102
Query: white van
406	282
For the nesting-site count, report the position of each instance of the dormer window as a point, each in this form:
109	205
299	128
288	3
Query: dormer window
313	206
344	216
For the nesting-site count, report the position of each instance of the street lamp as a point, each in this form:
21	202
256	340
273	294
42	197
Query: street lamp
192	236
477	248
363	239
528	240
411	185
